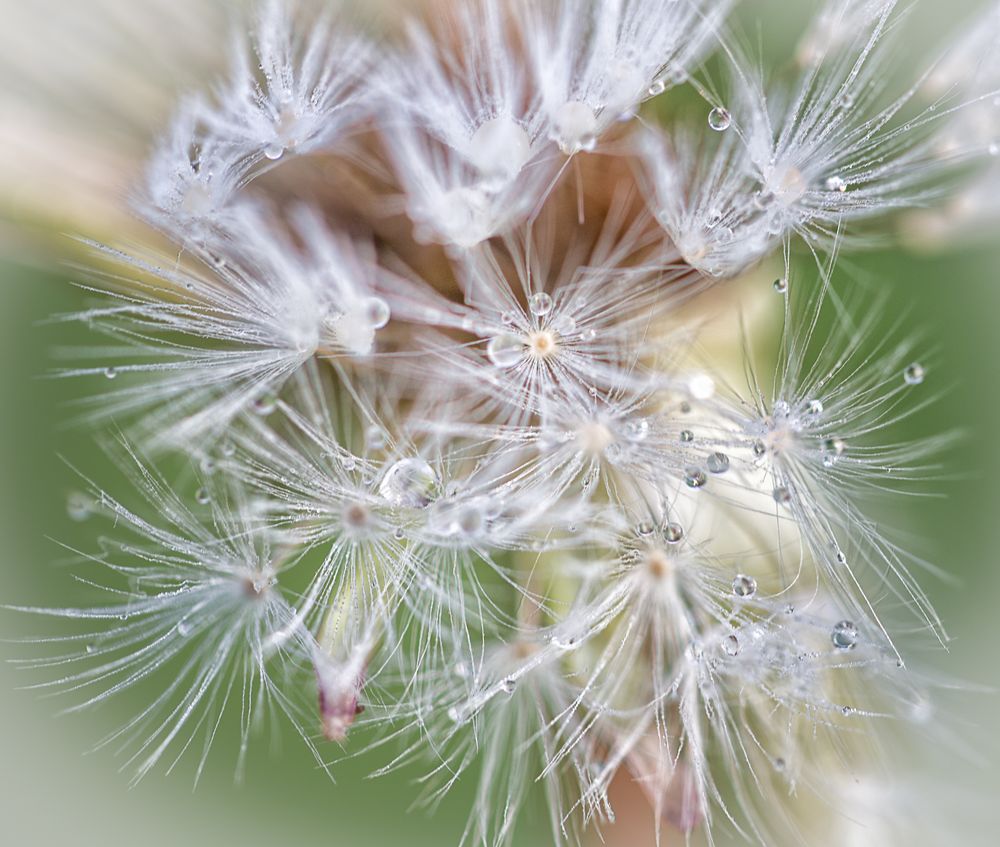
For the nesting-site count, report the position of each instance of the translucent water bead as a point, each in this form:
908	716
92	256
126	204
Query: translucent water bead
719	119
499	148
844	635
914	374
411	483
505	351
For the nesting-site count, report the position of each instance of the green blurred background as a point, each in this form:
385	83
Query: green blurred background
53	794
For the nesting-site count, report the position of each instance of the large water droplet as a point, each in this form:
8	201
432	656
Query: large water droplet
844	635
673	533
376	312
410	483
836	183
744	586
718	463
781	285
914	374
265	404
540	304
505	351
695	478
719	119
731	644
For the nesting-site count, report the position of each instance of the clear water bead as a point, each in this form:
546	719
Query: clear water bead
719	119
686	436
814	408
833	449
844	635
202	496
508	684
695	478
110	373
411	483
376	312
673	533
78	507
914	374
781	285
836	183
744	586
782	495
540	304
505	351
731	645
644	529
265	404
718	463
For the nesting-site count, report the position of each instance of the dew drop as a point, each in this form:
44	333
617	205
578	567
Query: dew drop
836	183
695	478
208	465
410	483
504	351
453	714
759	449
78	507
833	449
202	496
399	533
636	430
183	629
265	404
228	449
914	374
111	373
673	533
814	408
782	495
781	285
657	88
719	119
744	586
686	436
718	463
375	437
731	645
376	312
274	151
644	529
844	635
565	326
540	304
508	684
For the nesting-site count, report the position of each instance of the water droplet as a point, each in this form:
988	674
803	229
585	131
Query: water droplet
399	533
540	304
673	533
833	449
731	645
994	148
686	436
505	351
836	183
644	529
265	404
814	408
657	88
508	684
719	119
782	495
759	449
183	629
376	312
410	483
844	635
375	437
274	150
208	465
636	430
914	374
78	506
718	463
111	373
202	496
565	326
744	586
90	648
695	478
454	715
228	449
781	285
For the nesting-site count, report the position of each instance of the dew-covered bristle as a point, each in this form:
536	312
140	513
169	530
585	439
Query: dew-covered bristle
469	480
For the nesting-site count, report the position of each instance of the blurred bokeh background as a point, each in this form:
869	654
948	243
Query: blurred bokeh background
86	87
